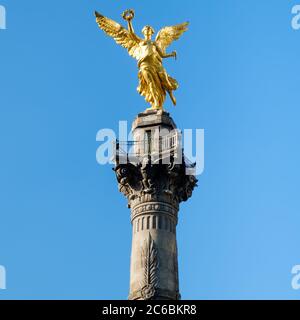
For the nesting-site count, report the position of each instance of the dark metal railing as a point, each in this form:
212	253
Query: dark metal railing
159	148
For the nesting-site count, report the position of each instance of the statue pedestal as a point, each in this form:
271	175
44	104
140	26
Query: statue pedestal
154	181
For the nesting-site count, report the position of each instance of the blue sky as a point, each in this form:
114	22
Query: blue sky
64	228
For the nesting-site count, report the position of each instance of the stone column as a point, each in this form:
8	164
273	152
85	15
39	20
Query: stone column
154	189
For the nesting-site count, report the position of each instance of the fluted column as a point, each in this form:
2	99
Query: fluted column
154	266
154	192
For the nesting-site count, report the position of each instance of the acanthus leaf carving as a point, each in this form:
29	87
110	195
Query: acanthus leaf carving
153	180
150	263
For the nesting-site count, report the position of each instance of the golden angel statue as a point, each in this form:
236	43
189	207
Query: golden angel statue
154	82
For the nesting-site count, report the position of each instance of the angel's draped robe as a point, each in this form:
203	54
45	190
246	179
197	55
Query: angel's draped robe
154	81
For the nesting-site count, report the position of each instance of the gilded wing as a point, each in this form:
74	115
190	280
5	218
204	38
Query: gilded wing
169	34
122	36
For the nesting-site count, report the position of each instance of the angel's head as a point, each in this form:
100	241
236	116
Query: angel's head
148	32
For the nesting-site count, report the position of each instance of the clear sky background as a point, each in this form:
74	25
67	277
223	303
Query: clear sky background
64	228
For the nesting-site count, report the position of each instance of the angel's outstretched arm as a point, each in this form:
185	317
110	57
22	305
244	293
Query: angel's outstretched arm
130	26
165	55
167	35
128	15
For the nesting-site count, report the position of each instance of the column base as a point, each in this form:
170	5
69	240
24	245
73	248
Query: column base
160	294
